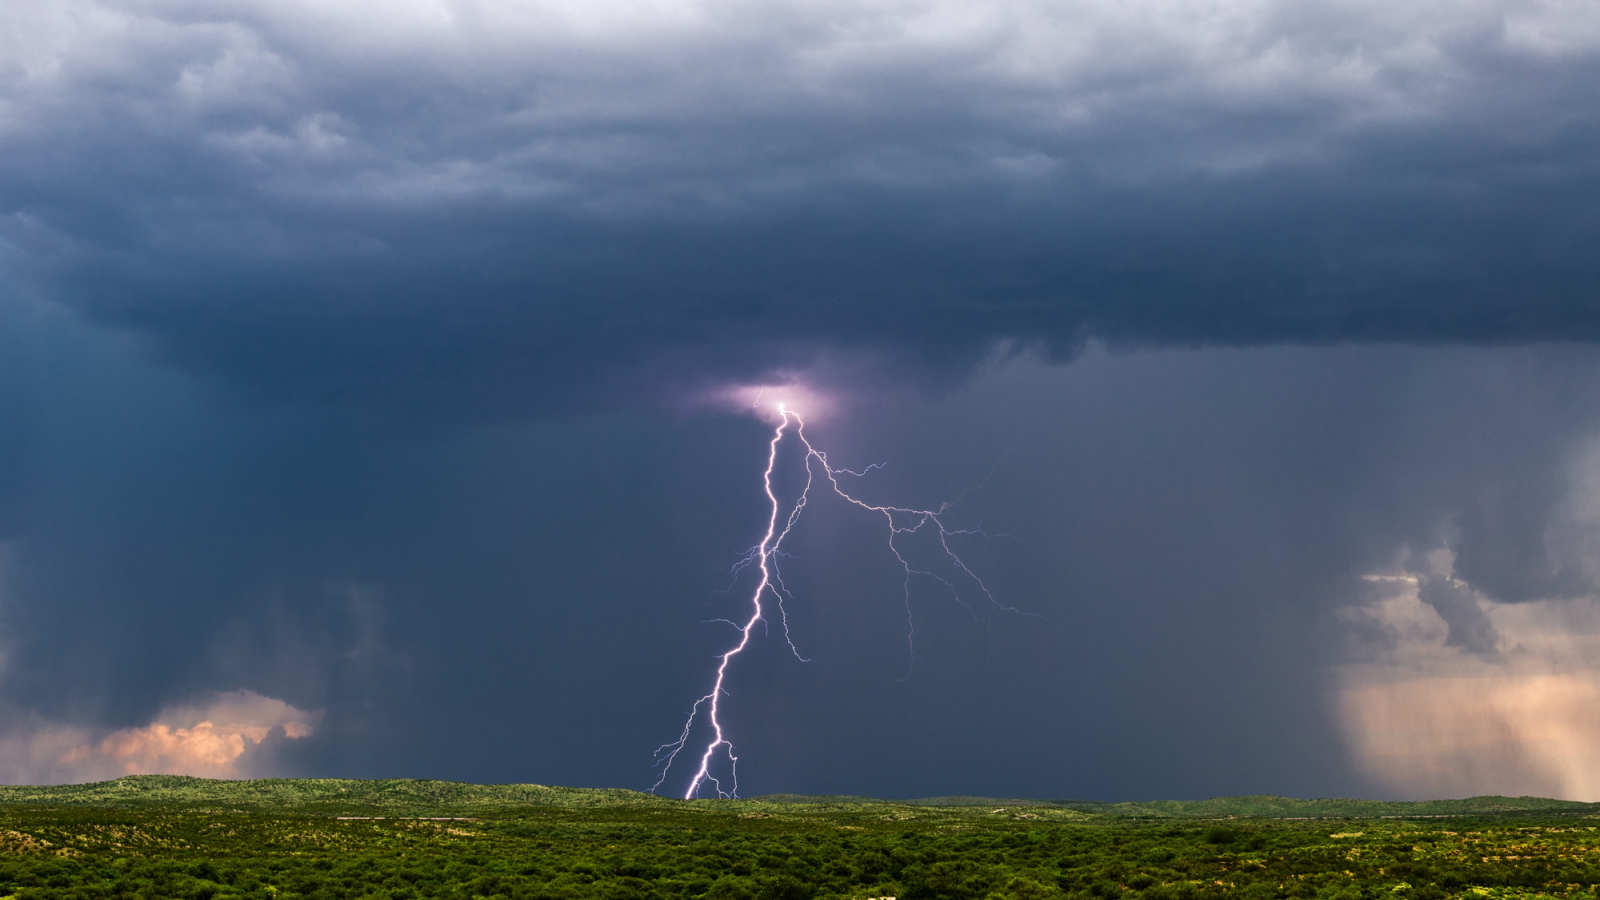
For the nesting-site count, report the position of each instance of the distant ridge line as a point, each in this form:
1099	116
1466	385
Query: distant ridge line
442	799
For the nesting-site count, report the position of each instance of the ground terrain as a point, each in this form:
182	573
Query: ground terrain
161	837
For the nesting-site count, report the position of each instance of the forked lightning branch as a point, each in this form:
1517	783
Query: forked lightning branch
717	754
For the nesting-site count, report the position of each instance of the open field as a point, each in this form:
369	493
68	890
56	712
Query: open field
158	837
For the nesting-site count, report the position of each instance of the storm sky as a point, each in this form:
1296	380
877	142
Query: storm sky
377	391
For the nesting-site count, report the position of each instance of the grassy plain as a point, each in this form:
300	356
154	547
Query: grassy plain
162	837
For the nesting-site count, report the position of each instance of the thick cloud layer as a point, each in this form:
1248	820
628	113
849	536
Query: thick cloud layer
544	206
471	266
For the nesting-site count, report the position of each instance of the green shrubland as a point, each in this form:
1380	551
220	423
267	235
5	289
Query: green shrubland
159	839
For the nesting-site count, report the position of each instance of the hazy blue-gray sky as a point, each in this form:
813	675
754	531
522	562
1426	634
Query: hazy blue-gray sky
364	378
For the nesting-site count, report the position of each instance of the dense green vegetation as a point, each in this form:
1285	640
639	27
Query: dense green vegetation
1262	806
410	797
161	838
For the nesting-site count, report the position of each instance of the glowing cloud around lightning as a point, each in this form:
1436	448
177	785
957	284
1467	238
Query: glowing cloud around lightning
769	585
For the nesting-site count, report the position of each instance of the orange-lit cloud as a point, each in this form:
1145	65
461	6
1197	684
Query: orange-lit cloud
201	750
223	736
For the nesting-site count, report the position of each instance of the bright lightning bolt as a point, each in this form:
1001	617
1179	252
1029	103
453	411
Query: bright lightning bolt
764	556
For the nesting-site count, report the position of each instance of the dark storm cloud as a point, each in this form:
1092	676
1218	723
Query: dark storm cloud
513	208
500	212
529	601
1459	606
18	415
